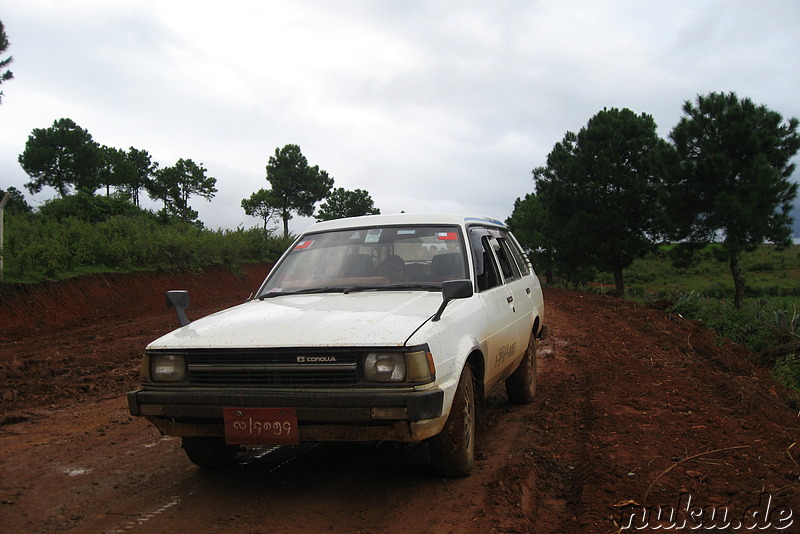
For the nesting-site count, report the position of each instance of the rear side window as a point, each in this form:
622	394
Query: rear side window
519	256
507	263
497	257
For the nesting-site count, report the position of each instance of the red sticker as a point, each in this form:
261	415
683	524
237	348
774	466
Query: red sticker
304	244
447	236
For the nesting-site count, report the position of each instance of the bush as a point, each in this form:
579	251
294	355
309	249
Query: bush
769	328
762	266
688	304
51	246
90	208
787	371
749	326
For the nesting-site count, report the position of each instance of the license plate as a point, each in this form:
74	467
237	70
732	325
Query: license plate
261	426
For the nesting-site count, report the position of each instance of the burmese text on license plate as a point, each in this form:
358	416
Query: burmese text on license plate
261	426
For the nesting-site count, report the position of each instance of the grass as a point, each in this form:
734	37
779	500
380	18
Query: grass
768	272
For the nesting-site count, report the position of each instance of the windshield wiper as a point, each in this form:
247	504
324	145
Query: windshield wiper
394	287
354	289
416	285
306	291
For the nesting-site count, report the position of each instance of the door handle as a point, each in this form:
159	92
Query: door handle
510	299
528	290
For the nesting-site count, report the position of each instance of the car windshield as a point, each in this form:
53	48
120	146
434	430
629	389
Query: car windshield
363	259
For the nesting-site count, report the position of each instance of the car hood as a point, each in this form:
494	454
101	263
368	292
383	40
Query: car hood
379	318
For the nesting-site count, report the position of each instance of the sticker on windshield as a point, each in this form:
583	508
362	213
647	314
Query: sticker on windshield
447	236
304	244
373	236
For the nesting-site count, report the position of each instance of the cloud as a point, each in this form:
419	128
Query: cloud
427	105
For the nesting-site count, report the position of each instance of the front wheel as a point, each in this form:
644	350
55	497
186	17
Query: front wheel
453	449
521	385
209	452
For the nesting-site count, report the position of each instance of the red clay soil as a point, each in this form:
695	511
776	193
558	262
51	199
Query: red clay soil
636	409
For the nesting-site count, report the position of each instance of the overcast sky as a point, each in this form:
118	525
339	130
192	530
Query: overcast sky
429	106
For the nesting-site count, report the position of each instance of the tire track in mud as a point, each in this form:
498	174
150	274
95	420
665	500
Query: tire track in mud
559	431
537	472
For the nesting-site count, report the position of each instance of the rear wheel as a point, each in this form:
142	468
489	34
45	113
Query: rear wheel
209	452
453	449
521	385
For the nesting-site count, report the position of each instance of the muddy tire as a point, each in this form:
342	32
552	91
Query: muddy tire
453	449
209	452
521	385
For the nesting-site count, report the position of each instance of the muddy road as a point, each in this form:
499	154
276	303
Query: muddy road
635	409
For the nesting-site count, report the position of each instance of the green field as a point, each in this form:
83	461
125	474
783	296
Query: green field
769	272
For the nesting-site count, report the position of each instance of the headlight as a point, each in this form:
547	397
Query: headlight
385	367
167	367
413	367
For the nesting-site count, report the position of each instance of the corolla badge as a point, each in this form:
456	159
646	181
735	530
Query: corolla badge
316	359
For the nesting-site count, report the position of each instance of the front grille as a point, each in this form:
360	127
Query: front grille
260	368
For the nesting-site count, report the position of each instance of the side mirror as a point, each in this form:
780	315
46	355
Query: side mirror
179	299
451	290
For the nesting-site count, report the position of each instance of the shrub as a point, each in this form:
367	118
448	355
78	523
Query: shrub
787	371
762	266
39	246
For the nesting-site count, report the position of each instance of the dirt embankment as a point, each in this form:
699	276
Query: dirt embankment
28	309
637	411
60	340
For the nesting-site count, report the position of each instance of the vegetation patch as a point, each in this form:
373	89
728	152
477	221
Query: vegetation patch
53	244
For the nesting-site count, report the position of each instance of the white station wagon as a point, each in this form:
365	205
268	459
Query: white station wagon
384	327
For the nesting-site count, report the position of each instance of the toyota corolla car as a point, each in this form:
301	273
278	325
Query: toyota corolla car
384	327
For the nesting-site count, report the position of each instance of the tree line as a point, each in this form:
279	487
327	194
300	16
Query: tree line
615	190
66	158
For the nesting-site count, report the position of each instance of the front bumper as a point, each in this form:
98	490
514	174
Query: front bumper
322	415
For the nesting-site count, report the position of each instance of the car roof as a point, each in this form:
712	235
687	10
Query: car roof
401	219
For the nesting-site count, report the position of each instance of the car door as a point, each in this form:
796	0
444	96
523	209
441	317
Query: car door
520	293
500	337
520	287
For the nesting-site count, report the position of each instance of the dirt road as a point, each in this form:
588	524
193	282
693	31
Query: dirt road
636	408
